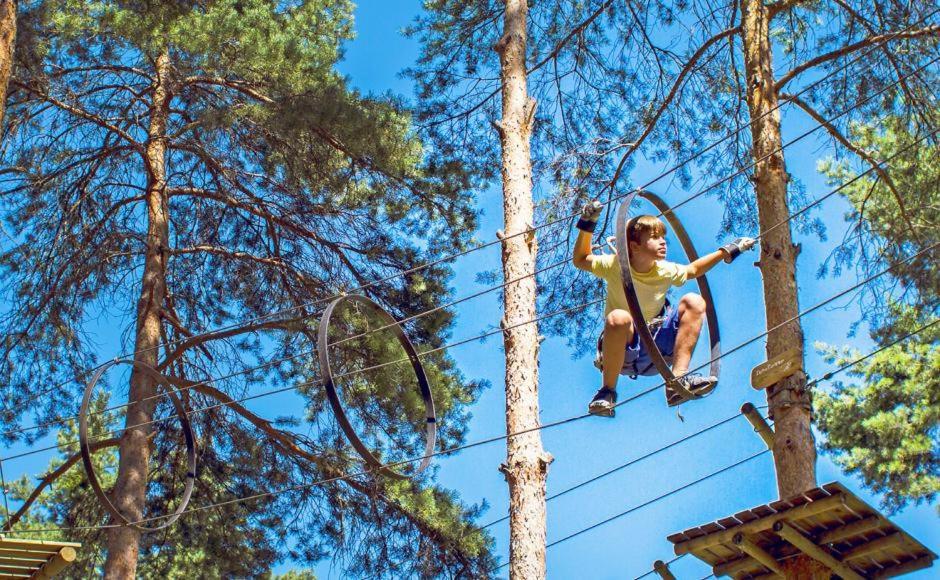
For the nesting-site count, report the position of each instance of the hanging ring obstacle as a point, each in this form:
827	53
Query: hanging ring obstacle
331	391
188	435
676	394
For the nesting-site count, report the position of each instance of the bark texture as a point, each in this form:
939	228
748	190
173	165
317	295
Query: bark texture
526	464
794	448
7	43
130	489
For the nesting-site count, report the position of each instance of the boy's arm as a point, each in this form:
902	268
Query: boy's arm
582	256
728	253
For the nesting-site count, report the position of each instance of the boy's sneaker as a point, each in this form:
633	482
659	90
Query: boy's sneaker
698	385
603	403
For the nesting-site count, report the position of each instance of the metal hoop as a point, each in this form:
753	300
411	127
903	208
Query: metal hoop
332	395
676	394
86	449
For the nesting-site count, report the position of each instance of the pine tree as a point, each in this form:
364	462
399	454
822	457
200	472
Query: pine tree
183	166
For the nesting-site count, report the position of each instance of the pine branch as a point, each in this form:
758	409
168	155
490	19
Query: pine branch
52	476
824	58
865	155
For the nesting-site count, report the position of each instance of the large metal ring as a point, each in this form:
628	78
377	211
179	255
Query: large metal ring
675	393
188	435
329	383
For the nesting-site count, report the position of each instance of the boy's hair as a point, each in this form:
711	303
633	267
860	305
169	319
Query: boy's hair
644	224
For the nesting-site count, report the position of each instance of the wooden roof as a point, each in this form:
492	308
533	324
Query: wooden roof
37	559
829	521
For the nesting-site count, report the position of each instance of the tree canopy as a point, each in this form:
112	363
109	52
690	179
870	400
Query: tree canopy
280	186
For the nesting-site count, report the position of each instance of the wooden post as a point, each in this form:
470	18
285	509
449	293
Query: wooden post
761	426
56	564
805	545
526	464
662	569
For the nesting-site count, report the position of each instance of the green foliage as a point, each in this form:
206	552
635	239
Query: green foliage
885	425
880	233
283	186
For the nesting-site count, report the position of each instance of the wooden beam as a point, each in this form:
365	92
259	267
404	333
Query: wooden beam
662	569
761	525
759	424
918	564
732	567
805	545
57	563
49	545
874	546
758	553
854	529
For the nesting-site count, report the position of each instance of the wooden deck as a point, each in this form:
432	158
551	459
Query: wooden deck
36	559
829	524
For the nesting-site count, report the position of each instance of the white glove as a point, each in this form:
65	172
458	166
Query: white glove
589	216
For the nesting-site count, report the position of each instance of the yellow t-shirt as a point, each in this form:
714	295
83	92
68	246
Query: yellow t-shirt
650	286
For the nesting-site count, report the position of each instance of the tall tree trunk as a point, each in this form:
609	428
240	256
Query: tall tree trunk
794	448
130	490
526	463
7	43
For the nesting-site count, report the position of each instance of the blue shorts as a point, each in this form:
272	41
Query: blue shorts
637	361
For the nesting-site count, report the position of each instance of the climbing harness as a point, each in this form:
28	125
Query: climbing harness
675	392
85	447
328	382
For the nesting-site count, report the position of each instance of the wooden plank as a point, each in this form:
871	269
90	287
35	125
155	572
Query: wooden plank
760	525
874	546
857	528
777	368
35	544
918	564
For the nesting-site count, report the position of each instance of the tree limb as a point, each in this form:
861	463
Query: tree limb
686	69
865	155
53	475
823	58
83	114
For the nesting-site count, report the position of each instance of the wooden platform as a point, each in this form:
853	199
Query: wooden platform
34	558
829	524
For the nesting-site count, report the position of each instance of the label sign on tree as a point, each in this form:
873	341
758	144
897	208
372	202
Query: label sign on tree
777	369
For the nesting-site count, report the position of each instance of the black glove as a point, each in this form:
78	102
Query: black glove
734	249
589	214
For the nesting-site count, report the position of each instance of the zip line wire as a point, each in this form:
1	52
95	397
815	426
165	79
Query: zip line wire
549	223
649	502
509	282
469	446
630	463
825	377
475	338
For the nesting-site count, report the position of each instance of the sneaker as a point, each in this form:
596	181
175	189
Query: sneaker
603	403
696	384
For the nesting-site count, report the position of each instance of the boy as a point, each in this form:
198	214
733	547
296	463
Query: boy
675	329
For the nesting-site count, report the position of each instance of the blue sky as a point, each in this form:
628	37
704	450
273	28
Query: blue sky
628	546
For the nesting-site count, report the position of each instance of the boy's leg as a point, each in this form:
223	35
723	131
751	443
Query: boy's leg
691	317
618	332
